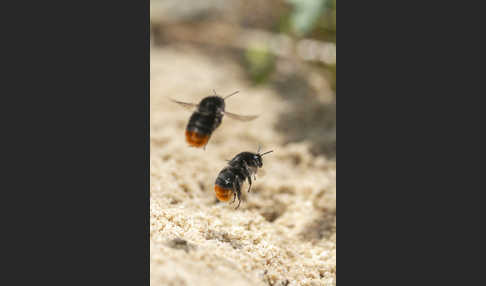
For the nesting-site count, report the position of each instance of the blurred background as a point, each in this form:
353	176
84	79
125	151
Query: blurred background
288	46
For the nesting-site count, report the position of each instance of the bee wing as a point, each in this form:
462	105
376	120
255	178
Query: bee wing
240	117
186	105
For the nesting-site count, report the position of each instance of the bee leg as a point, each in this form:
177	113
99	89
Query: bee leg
234	197
236	187
239	200
247	174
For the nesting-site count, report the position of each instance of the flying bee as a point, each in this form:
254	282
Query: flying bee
207	117
232	177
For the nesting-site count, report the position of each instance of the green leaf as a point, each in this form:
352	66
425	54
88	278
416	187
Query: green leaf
306	13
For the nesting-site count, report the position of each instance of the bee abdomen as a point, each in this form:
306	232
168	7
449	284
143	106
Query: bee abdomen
223	194
224	184
196	139
198	130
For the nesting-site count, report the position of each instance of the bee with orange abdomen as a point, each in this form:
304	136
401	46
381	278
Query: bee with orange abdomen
231	178
207	117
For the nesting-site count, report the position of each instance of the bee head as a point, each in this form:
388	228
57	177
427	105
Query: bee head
212	104
258	157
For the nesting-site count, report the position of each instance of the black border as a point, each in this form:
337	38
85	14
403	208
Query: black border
76	145
409	125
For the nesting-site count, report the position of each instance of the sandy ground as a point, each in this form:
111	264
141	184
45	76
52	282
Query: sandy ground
284	232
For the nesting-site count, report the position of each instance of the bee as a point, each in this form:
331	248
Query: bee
232	177
207	117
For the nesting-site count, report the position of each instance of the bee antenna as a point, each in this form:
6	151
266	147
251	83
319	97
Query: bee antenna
231	94
266	152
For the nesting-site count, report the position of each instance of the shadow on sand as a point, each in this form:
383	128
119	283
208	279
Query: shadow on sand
309	119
